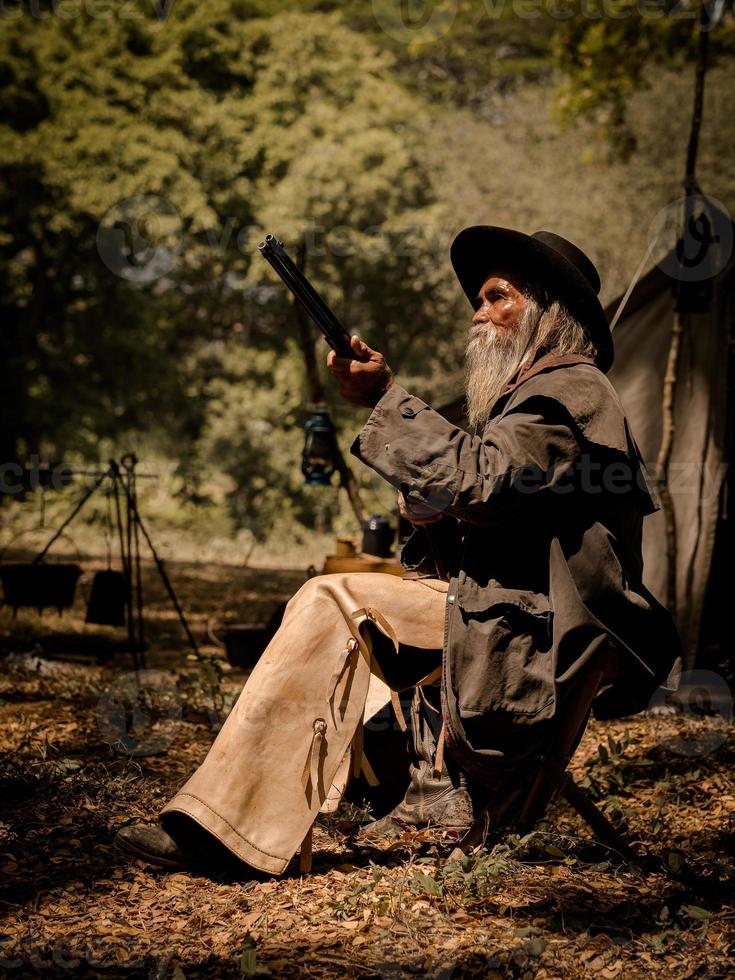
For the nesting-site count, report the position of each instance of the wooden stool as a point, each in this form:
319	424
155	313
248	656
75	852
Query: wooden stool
552	775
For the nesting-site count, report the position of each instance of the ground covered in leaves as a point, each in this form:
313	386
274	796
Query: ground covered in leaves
75	766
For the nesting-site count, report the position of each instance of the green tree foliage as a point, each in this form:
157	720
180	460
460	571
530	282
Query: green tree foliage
596	52
218	123
605	54
173	135
460	52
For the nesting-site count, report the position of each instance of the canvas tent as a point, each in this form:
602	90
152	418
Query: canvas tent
702	435
702	432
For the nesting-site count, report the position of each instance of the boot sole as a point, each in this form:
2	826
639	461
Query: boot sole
127	847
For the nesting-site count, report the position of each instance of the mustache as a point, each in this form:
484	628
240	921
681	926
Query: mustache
487	333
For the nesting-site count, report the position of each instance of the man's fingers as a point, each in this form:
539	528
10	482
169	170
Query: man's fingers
364	378
364	353
418	514
343	364
338	365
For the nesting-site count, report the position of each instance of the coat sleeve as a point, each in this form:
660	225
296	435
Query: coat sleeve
486	480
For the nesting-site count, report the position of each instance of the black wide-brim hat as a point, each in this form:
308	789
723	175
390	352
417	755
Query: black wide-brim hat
562	269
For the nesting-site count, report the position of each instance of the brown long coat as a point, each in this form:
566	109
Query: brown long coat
541	534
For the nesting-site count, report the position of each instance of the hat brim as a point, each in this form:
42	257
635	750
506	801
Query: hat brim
482	250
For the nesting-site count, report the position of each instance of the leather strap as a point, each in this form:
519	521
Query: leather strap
310	773
398	710
439	754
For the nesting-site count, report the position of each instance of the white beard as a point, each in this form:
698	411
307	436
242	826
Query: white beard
493	357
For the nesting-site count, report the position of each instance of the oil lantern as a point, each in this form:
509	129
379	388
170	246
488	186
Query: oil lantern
318	459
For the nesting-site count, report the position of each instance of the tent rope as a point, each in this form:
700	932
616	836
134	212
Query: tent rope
634	281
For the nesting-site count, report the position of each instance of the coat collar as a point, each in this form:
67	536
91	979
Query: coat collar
544	361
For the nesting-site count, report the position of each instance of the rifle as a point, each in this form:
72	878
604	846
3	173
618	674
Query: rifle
334	332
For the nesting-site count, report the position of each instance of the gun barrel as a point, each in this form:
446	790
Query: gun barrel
334	332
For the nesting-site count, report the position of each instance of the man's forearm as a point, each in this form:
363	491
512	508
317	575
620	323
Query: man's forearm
478	480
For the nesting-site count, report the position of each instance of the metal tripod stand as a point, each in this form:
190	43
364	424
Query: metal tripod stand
130	529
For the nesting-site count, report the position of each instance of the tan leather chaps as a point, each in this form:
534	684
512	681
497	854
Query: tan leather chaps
291	740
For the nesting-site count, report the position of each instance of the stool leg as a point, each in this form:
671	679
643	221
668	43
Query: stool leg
601	826
306	852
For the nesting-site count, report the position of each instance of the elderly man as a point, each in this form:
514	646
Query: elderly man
536	517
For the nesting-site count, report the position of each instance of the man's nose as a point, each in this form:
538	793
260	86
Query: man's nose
482	315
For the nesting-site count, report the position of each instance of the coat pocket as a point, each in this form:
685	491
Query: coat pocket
503	662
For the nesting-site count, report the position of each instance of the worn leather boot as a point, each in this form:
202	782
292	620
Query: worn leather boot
190	849
441	801
151	843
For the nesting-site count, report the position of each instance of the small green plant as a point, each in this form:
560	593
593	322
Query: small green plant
348	905
248	963
607	769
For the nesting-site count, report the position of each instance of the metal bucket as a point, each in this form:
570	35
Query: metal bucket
39	586
244	642
377	536
107	600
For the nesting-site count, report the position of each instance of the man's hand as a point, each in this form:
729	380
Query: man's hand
362	381
417	513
